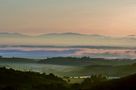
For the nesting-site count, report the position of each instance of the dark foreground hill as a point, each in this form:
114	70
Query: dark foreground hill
17	80
126	83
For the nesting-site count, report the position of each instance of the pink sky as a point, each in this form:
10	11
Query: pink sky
109	17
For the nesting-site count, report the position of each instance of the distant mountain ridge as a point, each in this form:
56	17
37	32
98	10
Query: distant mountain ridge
73	34
13	34
67	39
48	34
66	33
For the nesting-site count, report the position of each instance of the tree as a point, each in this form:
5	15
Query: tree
94	80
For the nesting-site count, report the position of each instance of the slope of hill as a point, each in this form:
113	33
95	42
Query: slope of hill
108	70
89	66
17	80
85	61
16	60
126	83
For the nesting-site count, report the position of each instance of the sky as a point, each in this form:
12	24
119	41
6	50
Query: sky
106	17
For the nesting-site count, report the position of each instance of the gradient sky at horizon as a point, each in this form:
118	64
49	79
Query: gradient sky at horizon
108	17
